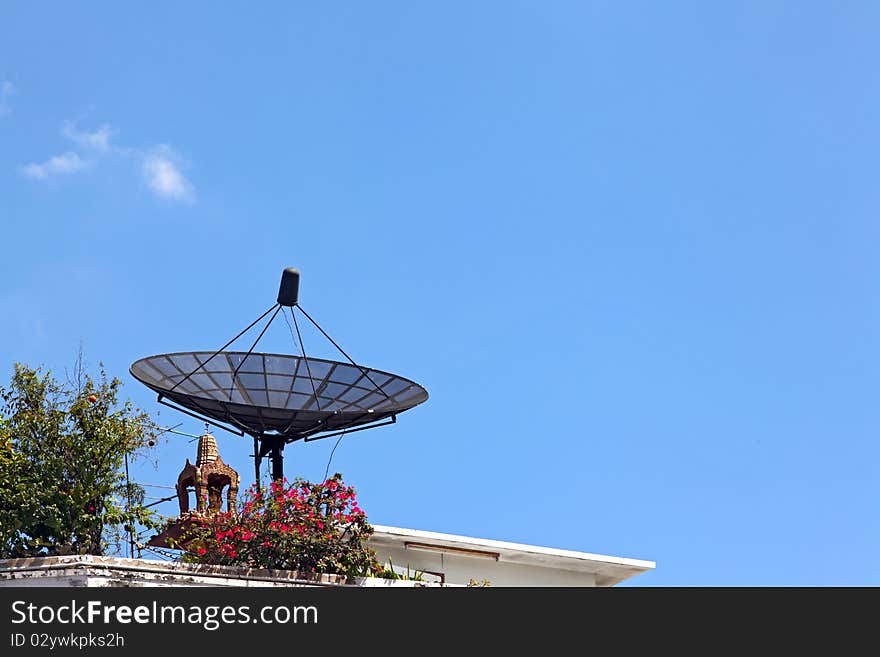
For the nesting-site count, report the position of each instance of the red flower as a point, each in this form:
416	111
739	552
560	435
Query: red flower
202	551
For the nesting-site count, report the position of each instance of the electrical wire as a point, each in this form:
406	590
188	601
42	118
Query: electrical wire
332	452
290	327
249	351
162	553
211	357
308	367
340	349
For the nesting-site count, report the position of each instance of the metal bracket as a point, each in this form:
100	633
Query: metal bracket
309	439
162	401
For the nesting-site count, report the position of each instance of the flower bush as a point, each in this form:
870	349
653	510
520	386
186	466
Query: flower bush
303	526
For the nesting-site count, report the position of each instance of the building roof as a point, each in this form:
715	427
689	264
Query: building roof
607	570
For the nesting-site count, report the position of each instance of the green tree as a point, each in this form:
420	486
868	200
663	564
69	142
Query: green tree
62	451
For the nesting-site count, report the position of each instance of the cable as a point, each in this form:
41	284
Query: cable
290	327
250	326
164	429
161	553
332	452
350	360
159	501
308	369
247	355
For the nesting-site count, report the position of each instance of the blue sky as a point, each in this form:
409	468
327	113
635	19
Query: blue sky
629	248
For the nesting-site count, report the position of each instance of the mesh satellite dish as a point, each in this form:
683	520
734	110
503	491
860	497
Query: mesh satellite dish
275	398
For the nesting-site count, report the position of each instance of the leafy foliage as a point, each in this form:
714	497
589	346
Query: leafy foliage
480	583
388	572
62	449
303	526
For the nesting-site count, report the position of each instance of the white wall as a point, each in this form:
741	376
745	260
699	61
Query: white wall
459	569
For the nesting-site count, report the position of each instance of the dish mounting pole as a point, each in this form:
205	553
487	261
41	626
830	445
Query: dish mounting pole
273	447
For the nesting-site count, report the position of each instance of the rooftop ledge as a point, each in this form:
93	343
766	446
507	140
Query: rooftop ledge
91	570
607	570
94	571
501	562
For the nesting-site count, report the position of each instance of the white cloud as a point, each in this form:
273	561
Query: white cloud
161	170
7	90
98	140
161	167
68	162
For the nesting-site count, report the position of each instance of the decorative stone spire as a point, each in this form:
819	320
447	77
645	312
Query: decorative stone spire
207	452
208	476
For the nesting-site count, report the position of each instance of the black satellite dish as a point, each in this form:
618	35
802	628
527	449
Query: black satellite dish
276	398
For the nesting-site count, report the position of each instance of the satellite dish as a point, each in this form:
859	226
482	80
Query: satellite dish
277	398
284	395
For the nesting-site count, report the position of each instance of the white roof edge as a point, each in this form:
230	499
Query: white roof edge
637	564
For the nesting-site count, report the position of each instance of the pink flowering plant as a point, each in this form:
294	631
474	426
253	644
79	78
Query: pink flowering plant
303	526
